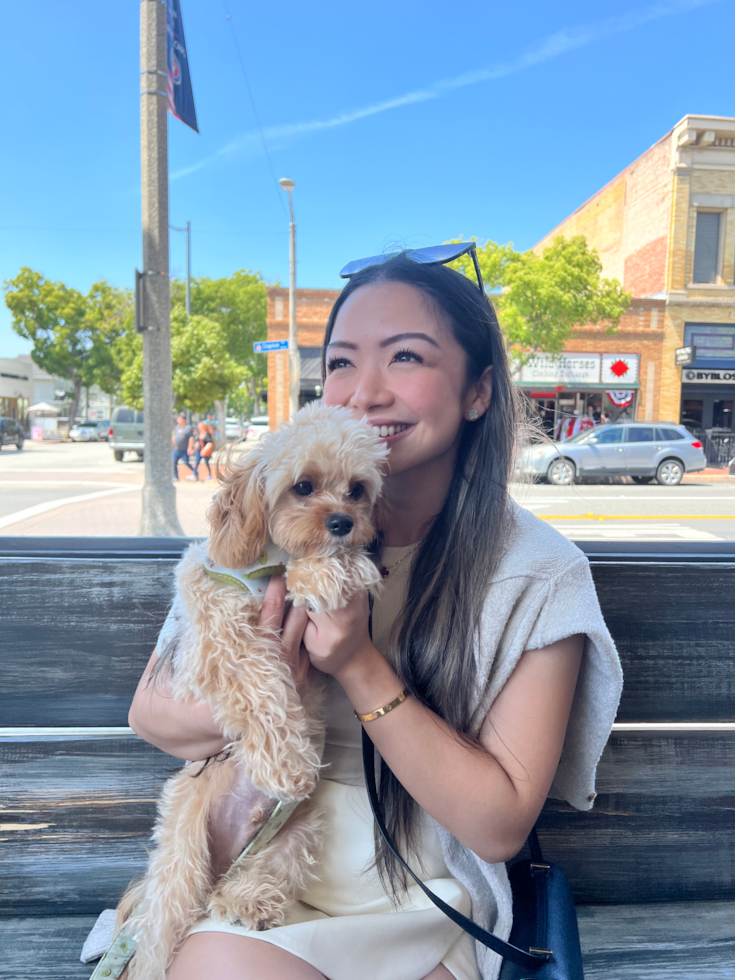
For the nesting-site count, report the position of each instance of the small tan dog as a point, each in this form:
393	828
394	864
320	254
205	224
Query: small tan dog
310	490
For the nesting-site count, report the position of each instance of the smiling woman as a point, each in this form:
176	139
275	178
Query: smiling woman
465	676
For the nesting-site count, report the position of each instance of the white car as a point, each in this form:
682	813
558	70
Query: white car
85	432
257	428
233	429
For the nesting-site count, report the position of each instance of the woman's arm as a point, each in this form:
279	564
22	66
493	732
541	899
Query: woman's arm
488	795
187	729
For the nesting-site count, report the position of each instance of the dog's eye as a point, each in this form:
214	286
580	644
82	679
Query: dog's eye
357	491
303	489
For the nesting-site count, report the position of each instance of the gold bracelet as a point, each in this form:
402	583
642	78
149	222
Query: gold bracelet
386	707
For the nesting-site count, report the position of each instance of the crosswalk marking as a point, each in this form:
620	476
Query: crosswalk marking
595	531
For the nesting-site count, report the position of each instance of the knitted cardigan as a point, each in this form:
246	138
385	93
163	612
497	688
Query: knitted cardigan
542	591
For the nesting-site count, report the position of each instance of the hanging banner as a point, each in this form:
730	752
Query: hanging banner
620	398
180	95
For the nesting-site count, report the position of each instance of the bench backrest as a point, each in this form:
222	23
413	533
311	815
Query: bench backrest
78	621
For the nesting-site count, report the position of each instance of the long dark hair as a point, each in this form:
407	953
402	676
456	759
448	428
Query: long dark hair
435	635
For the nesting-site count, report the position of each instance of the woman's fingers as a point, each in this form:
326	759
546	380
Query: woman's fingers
294	625
274	603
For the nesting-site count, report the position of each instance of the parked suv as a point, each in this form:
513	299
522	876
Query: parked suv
664	452
126	432
84	432
11	433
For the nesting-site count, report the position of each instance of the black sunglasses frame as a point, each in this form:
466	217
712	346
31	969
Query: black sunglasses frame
432	255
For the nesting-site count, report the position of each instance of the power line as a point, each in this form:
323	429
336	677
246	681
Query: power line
255	111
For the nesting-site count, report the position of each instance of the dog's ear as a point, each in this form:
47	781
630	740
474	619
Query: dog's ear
237	516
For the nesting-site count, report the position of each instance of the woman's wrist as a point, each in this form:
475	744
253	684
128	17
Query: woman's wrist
368	680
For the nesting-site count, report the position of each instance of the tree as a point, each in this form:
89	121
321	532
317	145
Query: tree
238	303
543	299
73	335
203	370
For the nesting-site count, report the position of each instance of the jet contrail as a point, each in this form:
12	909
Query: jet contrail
559	43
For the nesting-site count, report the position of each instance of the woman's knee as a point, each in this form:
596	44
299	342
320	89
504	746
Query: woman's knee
231	957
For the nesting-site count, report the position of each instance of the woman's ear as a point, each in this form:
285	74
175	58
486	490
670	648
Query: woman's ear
237	516
479	395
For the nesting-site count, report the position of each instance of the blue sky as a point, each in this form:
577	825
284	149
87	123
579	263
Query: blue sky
401	122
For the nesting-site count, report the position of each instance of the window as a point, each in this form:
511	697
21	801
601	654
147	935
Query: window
706	247
607	436
125	416
668	435
138	418
640	435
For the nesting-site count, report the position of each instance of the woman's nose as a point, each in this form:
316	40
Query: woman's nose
371	392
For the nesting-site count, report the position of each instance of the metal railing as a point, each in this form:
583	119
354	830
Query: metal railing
719	447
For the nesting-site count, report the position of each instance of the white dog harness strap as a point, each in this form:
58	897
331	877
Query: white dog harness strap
253	578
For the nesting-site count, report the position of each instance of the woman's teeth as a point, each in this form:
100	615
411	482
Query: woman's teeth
389	430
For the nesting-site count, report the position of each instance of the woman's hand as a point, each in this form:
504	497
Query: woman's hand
335	640
291	627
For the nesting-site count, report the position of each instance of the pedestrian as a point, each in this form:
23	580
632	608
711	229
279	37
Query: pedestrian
181	441
205	444
466	675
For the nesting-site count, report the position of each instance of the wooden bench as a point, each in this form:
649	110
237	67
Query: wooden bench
652	865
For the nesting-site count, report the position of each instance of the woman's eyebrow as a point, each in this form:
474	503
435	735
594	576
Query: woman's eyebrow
342	343
408	336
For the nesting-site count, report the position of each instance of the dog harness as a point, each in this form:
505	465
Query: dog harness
253	578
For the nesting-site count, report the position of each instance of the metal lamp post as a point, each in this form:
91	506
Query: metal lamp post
294	358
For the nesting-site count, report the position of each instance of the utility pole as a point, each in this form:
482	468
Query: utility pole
294	357
159	516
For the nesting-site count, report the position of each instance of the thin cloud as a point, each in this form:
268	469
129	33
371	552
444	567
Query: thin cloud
553	46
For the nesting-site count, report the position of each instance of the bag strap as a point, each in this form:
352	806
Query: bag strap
529	961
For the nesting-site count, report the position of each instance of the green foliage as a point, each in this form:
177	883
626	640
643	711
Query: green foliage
73	335
238	303
545	298
203	369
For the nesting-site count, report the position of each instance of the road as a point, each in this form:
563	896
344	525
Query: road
79	489
698	510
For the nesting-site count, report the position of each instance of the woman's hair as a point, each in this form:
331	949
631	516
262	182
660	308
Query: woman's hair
435	635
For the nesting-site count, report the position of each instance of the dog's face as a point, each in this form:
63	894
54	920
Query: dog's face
311	487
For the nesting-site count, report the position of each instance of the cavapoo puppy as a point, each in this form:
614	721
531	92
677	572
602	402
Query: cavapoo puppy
236	837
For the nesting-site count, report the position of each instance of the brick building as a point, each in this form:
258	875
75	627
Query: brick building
665	227
312	312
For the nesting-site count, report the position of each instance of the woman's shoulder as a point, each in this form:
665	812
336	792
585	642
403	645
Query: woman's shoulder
534	549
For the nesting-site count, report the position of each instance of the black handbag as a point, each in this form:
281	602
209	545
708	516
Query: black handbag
544	940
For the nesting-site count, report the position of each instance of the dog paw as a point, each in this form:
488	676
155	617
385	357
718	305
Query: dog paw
250	914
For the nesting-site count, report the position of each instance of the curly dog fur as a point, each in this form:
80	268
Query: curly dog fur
323	465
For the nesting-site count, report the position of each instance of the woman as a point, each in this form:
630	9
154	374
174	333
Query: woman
486	618
204	447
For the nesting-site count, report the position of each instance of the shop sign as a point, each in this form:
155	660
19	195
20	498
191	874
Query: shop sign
566	369
708	377
620	369
684	356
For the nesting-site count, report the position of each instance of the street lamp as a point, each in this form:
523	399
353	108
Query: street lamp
294	358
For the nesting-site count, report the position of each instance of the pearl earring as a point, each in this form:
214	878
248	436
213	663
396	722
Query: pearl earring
472	414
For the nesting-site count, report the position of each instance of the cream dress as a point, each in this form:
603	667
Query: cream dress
344	924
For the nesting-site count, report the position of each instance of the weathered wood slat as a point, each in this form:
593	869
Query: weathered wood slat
83	632
678	941
44	948
662	827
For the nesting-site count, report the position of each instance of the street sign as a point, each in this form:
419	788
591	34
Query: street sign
263	346
683	356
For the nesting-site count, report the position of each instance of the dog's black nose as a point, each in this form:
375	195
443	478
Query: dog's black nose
339	524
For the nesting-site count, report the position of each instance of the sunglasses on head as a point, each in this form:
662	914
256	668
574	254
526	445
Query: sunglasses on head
433	255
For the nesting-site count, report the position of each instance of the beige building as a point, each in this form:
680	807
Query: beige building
665	227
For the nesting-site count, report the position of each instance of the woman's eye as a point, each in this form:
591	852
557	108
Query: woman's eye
337	362
303	489
356	492
407	356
